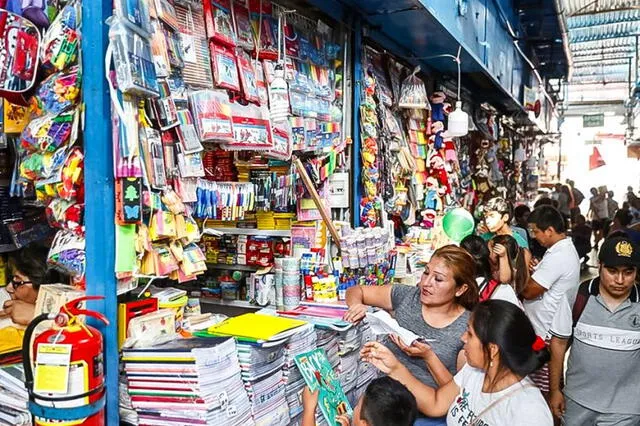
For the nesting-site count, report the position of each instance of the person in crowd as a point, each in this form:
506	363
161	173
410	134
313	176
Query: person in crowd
501	349
621	221
520	215
581	236
497	218
29	270
630	196
578	198
510	264
489	286
437	309
557	273
612	206
599	214
567	204
604	323
386	402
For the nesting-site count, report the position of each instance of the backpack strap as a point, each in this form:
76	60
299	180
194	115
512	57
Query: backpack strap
488	289
586	290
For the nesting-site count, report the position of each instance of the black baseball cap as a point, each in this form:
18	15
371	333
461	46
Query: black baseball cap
619	251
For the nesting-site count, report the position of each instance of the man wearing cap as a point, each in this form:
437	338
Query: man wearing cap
604	323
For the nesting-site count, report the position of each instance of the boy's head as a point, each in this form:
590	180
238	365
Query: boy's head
386	402
547	225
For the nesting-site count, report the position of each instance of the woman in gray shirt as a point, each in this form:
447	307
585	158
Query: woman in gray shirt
437	310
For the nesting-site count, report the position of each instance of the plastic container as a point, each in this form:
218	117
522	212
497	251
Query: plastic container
178	307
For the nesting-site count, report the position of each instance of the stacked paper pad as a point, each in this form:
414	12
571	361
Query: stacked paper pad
349	343
366	371
191	381
328	340
13	396
261	366
301	342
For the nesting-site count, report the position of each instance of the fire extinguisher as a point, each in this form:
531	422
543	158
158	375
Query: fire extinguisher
66	380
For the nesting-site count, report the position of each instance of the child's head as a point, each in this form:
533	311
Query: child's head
581	220
516	258
478	249
386	402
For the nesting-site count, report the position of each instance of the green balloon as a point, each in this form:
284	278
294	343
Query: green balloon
237	275
457	224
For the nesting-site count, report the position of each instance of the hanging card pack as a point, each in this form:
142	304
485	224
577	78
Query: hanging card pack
212	115
413	94
195	47
244	32
135	12
188	134
189	165
268	45
281	143
60	41
133	60
217	16
165	108
225	68
251	128
151	145
248	77
167	13
159	50
128	200
262	83
175	48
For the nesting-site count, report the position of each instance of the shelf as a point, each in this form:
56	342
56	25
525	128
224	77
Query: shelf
225	266
232	303
254	231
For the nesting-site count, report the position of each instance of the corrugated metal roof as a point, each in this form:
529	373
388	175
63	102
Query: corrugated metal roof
602	39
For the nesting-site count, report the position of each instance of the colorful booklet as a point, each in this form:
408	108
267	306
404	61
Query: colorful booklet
318	374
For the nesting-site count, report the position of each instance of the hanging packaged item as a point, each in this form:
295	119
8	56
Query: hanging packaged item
39	165
267	48
15	117
413	94
189	165
164	107
279	96
281	143
251	128
135	71
151	145
195	47
212	115
136	12
50	132
63	214
218	21
128	201
58	93
242	22
187	133
225	68
61	40
174	49
248	77
159	50
167	13
262	83
68	184
67	254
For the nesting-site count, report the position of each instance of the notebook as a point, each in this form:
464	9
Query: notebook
257	327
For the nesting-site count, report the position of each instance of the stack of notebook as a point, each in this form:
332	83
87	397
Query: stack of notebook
13	396
366	371
301	342
261	366
195	381
328	340
349	344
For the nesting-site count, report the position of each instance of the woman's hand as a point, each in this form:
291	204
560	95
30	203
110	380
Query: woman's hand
356	313
20	312
380	357
417	349
500	250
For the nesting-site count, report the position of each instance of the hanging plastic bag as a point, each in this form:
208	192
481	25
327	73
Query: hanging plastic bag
60	42
58	93
413	94
67	254
212	116
50	132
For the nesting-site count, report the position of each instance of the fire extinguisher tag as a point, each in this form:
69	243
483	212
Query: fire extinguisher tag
52	368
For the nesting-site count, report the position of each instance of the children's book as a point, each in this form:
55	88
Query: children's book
318	375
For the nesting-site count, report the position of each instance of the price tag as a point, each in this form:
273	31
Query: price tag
52	368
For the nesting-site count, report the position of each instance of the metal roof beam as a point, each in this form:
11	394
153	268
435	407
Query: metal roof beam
605	18
601	37
584	11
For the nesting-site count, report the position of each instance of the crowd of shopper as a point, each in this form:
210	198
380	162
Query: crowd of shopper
497	314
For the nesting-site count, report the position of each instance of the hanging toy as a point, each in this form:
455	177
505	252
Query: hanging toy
438	106
437	129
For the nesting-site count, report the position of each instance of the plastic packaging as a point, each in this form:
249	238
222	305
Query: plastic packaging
251	128
212	116
413	94
49	132
248	77
225	67
61	40
281	143
279	96
244	32
217	15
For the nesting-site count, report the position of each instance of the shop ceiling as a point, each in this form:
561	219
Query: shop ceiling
603	38
419	29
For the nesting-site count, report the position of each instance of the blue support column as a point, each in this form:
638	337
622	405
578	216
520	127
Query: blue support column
356	157
99	189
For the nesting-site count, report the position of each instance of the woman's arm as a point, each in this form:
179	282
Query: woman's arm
359	297
431	402
505	274
438	370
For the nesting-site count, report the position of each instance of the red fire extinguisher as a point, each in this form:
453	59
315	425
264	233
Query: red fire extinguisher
65	380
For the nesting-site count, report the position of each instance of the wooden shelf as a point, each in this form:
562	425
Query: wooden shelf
233	303
226	266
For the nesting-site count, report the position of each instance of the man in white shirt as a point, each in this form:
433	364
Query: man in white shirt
556	274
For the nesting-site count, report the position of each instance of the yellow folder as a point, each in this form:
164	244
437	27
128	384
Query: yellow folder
257	327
